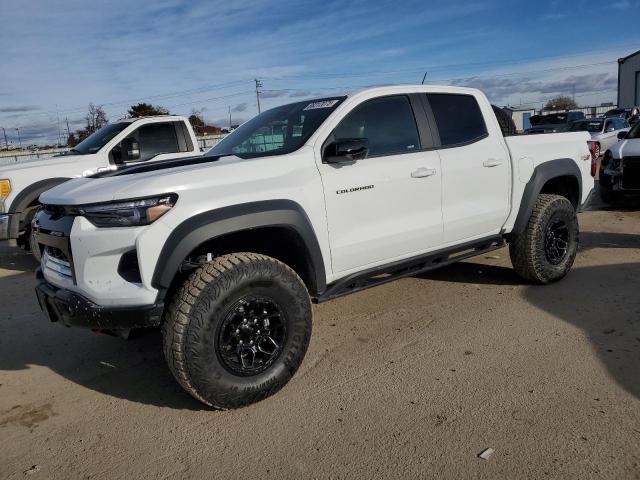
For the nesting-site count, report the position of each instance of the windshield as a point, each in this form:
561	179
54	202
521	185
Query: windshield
634	132
593	126
99	138
277	131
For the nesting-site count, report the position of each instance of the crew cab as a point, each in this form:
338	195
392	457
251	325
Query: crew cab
305	202
620	167
127	141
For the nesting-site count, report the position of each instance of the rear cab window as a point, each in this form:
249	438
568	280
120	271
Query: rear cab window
458	118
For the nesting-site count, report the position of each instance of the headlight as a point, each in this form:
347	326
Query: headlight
5	190
128	213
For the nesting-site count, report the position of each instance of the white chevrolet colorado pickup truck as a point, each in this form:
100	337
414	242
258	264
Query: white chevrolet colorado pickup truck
126	141
305	202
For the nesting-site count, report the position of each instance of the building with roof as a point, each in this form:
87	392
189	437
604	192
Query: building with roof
629	80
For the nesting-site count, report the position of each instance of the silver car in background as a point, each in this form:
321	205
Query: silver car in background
604	132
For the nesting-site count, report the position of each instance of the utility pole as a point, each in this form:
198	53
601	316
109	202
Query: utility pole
59	134
19	141
68	131
6	143
229	117
258	92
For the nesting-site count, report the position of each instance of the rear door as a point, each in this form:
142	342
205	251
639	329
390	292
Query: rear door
388	205
476	174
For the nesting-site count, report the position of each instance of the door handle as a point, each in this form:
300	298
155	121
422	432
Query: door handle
423	172
491	162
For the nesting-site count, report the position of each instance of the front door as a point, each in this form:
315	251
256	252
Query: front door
387	206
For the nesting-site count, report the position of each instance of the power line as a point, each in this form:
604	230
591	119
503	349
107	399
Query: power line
422	68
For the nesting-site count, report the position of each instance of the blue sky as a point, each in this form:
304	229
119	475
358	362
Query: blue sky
57	56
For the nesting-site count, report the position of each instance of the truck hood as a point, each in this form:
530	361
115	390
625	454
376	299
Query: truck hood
162	177
626	148
46	164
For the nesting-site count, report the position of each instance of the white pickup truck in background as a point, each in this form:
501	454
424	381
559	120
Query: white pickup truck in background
307	201
127	141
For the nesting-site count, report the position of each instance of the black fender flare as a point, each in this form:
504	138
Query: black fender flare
561	167
209	225
26	197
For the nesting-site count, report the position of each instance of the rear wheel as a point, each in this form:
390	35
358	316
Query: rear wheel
547	248
237	330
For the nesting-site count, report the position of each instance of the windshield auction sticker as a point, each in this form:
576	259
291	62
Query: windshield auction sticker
323	104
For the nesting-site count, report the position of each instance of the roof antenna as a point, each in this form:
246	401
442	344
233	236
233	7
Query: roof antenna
423	78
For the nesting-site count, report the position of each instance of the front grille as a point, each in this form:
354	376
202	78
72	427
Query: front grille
631	173
55	259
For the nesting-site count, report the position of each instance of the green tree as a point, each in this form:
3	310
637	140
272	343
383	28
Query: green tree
146	109
561	102
196	121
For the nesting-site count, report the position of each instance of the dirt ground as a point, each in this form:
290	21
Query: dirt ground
408	380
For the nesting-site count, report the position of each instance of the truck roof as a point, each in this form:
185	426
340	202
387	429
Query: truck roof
153	117
413	88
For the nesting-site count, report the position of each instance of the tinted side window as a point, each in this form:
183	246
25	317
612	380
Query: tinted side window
388	123
155	139
458	117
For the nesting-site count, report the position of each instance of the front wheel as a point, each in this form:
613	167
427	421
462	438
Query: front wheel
546	250
237	330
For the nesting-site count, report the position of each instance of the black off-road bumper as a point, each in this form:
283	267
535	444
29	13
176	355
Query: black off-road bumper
71	309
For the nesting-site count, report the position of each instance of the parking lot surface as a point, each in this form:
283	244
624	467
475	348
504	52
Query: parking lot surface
412	379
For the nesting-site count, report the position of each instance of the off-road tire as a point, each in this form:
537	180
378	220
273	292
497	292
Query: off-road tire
192	327
527	250
507	125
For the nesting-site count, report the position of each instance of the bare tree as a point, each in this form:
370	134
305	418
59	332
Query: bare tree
96	118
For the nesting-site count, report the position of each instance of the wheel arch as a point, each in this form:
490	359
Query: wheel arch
255	227
561	177
28	197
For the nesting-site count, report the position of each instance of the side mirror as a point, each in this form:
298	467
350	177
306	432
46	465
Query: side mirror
346	150
622	135
130	149
609	129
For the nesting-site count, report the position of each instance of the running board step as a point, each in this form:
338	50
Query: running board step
404	268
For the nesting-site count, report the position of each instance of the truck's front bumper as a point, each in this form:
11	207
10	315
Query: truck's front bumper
71	309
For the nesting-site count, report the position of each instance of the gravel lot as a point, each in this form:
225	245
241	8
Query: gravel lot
411	379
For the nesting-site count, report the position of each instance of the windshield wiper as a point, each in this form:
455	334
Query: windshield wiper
76	151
